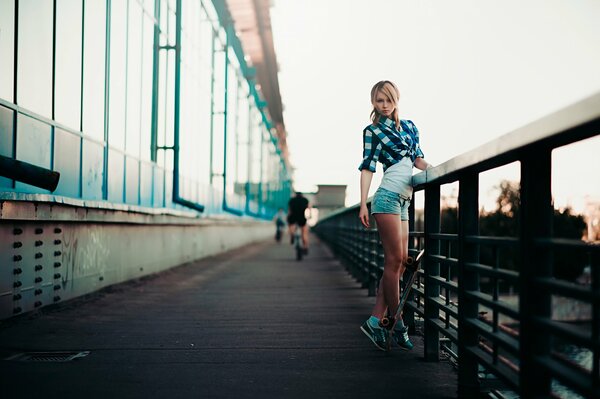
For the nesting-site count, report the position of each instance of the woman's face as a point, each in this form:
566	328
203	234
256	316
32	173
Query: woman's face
384	105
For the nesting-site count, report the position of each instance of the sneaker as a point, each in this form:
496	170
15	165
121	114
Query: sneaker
400	337
376	334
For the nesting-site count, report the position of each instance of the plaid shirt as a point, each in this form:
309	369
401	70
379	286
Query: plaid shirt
385	143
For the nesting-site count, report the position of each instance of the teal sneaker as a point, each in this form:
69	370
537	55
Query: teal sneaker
400	337
376	334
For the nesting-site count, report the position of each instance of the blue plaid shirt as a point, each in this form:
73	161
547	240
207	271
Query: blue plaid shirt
386	143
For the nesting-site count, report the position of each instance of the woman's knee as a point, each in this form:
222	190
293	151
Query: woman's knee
395	261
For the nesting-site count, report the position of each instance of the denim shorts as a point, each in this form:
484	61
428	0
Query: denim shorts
386	201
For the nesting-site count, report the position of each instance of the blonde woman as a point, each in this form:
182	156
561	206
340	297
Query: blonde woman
395	143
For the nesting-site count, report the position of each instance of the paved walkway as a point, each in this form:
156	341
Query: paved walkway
252	323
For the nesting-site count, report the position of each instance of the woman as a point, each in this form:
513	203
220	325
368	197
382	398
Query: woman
394	143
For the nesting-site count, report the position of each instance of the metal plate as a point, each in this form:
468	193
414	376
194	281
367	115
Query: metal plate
47	356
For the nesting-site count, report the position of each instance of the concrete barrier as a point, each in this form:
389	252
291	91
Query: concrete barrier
50	253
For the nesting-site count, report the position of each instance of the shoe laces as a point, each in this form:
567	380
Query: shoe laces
380	334
403	334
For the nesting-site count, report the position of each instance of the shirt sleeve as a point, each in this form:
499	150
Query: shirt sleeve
418	152
371	150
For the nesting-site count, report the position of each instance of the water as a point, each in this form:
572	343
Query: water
582	356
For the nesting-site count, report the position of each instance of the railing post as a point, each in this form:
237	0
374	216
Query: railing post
408	316
468	224
432	269
535	222
373	242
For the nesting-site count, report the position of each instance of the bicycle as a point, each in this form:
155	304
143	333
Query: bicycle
298	243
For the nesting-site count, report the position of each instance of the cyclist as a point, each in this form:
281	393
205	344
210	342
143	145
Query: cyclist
296	216
279	224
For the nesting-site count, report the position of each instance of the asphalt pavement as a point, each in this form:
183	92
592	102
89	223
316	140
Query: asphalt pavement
250	323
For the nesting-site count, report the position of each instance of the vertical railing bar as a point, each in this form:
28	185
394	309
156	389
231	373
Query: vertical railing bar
432	269
468	224
496	255
536	213
595	286
447	268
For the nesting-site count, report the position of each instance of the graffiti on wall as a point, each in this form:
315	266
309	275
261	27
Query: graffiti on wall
86	252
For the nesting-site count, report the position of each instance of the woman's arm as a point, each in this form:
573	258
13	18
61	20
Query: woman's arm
422	164
365	182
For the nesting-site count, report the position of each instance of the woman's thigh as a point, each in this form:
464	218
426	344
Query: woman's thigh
394	236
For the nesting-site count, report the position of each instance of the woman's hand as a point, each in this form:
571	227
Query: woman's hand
363	215
421	164
365	181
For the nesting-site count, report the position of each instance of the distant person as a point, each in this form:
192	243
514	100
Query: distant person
279	224
395	143
297	216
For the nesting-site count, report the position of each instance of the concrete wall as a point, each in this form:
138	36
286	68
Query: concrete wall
50	253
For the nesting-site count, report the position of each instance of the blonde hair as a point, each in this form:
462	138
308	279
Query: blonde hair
389	90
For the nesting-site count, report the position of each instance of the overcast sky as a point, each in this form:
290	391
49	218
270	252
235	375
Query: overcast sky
468	72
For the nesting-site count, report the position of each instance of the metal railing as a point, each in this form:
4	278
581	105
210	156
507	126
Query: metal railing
513	338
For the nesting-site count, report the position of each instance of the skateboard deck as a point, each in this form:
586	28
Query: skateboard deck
388	323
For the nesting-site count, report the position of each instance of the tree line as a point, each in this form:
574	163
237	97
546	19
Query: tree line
504	222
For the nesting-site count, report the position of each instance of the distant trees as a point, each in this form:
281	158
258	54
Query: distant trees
504	222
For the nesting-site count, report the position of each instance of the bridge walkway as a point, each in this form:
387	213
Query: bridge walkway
250	323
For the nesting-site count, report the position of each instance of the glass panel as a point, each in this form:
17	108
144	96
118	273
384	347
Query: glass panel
7	51
33	145
159	188
149	6
134	76
218	117
6	132
116	175
242	169
254	146
210	10
67	156
118	75
92	169
171	24
132	182
67	107
232	119
146	184
6	140
195	99
93	68
164	18
34	69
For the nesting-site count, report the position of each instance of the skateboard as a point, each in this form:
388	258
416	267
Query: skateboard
388	322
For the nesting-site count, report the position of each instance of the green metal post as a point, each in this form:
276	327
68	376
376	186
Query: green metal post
106	103
155	71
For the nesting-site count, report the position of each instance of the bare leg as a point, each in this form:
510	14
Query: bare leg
305	236
394	238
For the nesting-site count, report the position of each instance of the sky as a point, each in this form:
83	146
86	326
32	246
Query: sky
468	71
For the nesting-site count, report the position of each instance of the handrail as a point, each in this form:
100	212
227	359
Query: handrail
553	130
450	295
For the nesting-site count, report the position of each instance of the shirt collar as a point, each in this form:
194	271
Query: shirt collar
387	121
